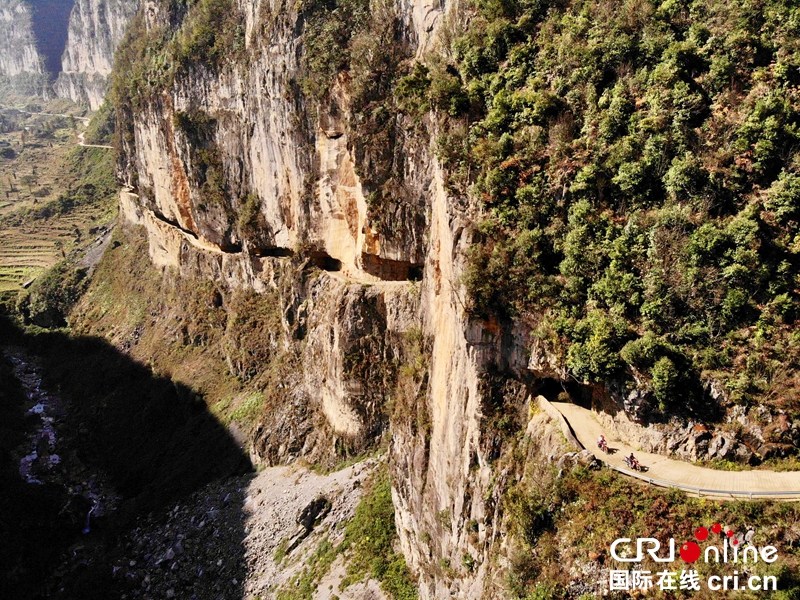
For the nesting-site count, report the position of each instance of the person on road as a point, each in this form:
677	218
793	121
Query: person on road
634	463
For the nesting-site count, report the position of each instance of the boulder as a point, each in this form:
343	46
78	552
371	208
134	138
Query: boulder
744	455
769	450
779	431
586	459
695	446
721	447
315	510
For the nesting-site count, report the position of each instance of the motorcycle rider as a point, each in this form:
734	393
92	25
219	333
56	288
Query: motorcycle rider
633	462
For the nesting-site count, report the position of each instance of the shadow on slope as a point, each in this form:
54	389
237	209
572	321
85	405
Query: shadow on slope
50	27
151	438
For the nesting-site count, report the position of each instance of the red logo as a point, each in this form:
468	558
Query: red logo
690	551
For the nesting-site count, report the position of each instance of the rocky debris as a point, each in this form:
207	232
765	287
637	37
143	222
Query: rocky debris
584	458
224	540
760	434
94	251
716	390
588	578
691	441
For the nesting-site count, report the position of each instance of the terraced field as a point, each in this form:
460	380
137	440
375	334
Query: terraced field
25	251
52	192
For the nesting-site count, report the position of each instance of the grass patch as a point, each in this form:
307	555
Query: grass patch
790	463
303	585
723	465
280	551
368	542
249	409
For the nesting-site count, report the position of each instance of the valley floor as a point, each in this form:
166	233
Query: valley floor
234	538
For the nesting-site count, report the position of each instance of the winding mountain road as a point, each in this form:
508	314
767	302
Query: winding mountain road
667	472
85	145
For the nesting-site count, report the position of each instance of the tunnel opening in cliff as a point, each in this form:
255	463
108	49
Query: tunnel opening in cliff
557	390
50	26
325	261
391	270
275	252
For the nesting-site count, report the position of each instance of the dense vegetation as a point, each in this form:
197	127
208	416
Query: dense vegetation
575	518
638	163
151	59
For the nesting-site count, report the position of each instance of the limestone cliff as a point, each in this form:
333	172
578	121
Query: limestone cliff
20	61
95	30
241	175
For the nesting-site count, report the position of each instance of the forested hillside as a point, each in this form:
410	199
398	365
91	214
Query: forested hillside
638	163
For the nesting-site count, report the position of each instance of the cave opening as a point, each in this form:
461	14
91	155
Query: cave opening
275	252
325	261
230	247
557	390
391	270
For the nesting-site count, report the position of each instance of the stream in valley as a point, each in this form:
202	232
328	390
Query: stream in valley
49	454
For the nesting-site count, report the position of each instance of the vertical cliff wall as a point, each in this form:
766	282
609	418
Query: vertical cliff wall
64	47
238	170
95	30
20	61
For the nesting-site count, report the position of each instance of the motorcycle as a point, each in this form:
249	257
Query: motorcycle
603	446
633	464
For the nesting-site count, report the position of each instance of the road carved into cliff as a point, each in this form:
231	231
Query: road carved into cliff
678	473
83	144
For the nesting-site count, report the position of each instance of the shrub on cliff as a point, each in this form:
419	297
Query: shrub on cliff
636	161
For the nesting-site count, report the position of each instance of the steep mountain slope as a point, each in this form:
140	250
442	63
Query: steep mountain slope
312	182
247	152
62	47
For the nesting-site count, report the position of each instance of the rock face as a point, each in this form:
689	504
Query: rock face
237	174
20	61
95	30
31	51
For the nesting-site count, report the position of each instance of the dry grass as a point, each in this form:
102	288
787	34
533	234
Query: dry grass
189	330
563	524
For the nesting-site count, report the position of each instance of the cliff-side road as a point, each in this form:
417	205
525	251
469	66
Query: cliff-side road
675	472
